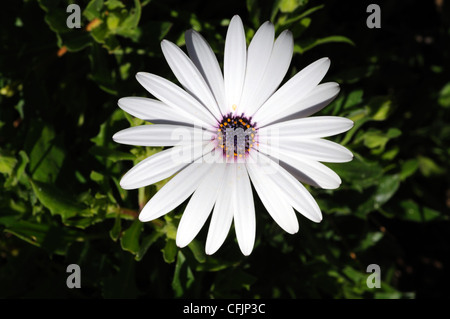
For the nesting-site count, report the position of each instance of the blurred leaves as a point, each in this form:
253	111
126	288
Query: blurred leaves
302	47
130	237
444	96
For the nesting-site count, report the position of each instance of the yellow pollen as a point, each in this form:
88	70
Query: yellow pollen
234	107
229	120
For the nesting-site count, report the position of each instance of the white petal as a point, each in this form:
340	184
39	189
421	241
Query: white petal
161	135
317	99
222	215
235	58
293	90
276	69
273	198
189	76
162	165
153	110
244	210
317	126
204	58
258	56
175	192
176	97
294	192
200	205
308	171
310	148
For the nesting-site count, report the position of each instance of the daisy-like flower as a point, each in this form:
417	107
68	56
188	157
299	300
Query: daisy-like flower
227	131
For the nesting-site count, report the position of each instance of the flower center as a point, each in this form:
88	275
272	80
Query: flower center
236	135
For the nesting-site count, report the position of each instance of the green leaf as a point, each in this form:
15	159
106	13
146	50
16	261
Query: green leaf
369	240
114	4
353	98
288	6
387	187
361	174
58	202
97	177
100	70
104	136
112	21
444	96
390	154
411	210
301	15
114	233
46	157
409	168
53	239
110	154
7	163
359	117
128	27
393	132
130	237
308	45
93	9
100	33
300	27
254	11
56	17
428	166
415	213
155	32
183	277
429	214
170	251
377	139
383	110
170	227
75	42
146	243
198	250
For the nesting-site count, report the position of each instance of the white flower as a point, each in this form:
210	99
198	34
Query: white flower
233	130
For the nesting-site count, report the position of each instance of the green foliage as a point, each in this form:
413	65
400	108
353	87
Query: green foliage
61	202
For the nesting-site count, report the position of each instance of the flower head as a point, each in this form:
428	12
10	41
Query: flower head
227	131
